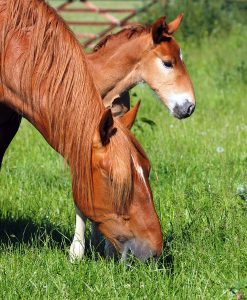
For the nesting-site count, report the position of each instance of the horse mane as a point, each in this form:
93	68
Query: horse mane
56	84
126	33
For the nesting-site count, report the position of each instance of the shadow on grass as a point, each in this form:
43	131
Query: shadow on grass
24	231
14	232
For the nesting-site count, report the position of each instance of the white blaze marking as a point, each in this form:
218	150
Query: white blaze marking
139	170
181	54
172	99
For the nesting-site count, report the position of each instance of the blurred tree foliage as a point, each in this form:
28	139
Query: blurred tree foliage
202	17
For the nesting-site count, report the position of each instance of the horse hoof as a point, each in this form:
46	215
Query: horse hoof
76	251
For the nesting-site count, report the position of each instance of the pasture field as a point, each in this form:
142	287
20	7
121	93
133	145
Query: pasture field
199	173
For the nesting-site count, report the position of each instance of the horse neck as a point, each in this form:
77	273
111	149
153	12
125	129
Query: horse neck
55	101
115	66
44	76
66	117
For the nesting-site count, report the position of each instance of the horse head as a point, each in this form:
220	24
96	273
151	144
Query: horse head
163	68
123	207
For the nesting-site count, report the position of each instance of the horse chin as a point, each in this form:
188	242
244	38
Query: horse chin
177	116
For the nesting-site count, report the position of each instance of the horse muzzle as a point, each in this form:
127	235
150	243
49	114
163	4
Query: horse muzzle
184	110
140	249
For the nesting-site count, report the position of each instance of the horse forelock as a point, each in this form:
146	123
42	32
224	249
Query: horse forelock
56	84
124	34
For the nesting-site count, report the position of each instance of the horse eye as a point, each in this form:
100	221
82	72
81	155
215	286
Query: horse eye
167	63
121	239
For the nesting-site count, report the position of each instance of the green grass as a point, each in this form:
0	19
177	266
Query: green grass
203	219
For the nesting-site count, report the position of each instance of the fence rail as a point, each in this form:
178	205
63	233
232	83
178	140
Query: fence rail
97	18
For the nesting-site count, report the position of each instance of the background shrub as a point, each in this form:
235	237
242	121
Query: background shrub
202	17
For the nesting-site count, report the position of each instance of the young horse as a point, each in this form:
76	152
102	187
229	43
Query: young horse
143	53
44	77
122	60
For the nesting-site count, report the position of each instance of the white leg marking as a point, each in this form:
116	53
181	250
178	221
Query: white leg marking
77	247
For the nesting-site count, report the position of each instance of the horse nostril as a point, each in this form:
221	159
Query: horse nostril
190	109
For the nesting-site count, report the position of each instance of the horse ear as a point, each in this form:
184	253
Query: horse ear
105	130
128	119
174	25
158	28
161	29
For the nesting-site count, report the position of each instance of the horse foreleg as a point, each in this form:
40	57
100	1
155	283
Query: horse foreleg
101	244
97	239
9	125
110	251
77	247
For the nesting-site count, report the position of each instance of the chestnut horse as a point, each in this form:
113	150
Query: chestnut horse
143	53
45	78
